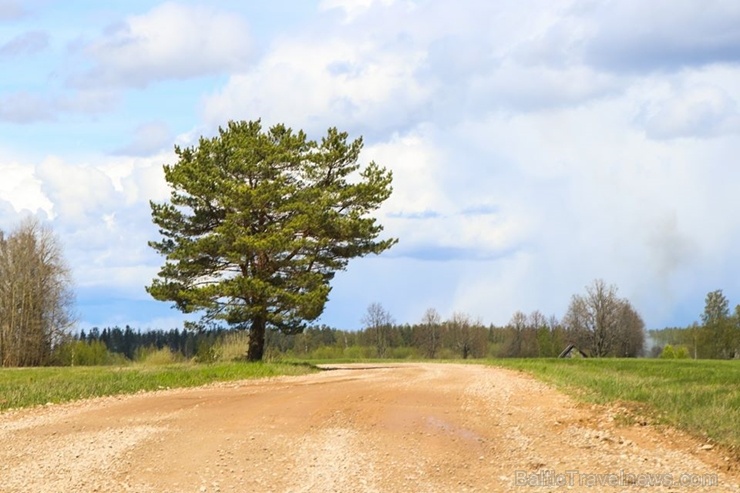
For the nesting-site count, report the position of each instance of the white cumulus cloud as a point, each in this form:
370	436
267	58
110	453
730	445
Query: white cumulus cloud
321	83
172	41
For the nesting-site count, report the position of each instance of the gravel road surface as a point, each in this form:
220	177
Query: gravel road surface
356	428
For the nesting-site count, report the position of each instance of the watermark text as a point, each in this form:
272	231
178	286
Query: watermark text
619	479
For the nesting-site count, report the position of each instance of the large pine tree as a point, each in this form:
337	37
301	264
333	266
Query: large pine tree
259	221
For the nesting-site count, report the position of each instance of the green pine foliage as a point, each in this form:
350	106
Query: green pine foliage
258	223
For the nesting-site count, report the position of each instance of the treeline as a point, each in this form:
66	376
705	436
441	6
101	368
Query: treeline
456	338
618	332
114	345
716	337
36	322
599	323
460	337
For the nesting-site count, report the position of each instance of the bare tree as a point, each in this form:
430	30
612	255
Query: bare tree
538	340
542	343
35	295
515	338
557	336
378	321
428	334
468	337
602	323
522	341
631	340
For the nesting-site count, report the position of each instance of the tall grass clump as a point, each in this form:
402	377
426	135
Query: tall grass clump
156	357
232	346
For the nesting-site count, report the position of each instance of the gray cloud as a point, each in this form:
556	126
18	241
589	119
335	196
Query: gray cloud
670	249
8	216
10	10
172	41
388	67
25	108
637	36
435	253
480	210
90	101
28	43
415	215
697	112
147	139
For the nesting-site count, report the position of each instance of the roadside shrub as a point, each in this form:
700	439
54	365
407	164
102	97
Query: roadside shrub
153	356
358	352
403	353
206	352
327	352
495	349
677	352
272	355
231	346
447	353
681	352
83	353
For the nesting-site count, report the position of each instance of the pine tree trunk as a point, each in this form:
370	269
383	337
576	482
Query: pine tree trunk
256	340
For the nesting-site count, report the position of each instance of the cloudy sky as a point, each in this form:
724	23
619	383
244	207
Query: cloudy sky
536	145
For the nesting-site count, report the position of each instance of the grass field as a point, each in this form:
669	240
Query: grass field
701	397
23	387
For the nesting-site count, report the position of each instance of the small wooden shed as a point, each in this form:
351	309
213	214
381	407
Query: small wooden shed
572	352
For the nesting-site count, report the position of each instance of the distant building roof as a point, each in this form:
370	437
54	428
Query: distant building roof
568	352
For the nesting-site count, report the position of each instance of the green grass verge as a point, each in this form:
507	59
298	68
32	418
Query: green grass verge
23	387
701	397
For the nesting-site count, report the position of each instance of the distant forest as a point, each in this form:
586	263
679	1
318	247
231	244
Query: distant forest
455	339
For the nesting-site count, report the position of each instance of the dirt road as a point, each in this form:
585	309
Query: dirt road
391	428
